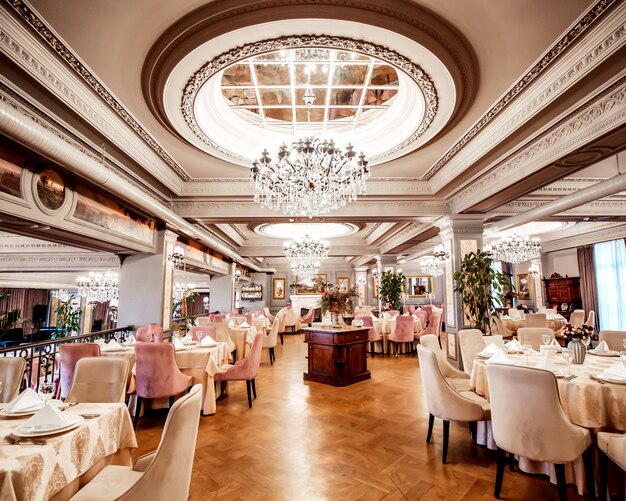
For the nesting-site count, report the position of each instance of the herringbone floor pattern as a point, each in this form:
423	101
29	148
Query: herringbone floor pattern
314	442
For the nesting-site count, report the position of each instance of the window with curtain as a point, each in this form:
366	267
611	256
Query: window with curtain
610	264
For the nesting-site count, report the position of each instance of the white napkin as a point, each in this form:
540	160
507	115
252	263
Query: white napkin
261	316
28	399
112	345
546	364
49	415
208	341
490	350
514	345
231	323
244	325
501	358
99	342
602	347
178	345
555	343
418	309
405	314
617	371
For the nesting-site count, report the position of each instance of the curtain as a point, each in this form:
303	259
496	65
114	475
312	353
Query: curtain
588	291
610	264
24	299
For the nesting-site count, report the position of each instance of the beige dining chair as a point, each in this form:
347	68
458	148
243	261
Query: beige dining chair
518	395
459	380
161	475
577	318
614	339
11	375
591	320
502	330
612	446
270	340
496	339
532	335
203	321
535	320
99	380
444	402
470	342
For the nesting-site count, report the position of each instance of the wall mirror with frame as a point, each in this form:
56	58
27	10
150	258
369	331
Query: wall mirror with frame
418	286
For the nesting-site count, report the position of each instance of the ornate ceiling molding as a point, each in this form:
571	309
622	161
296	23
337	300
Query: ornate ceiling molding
594	14
592	237
55	262
596	208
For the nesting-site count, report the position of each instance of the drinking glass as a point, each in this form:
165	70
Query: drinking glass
567	356
587	341
527	349
46	391
622	355
545	339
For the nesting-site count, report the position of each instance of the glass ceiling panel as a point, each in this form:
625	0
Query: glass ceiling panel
272	74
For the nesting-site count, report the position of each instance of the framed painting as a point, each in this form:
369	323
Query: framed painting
523	286
313	285
278	288
451	339
343	283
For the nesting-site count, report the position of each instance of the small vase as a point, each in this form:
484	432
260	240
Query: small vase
578	351
334	318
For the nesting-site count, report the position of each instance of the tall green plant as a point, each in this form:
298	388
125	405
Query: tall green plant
390	290
479	285
68	318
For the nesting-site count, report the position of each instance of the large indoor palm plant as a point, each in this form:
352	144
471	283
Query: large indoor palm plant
391	286
480	286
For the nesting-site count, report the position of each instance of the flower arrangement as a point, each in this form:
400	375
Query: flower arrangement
510	295
337	300
575	332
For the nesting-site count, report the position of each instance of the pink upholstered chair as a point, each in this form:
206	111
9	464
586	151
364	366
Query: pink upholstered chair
220	317
246	369
69	354
393	313
423	316
373	337
428	308
403	333
11	374
198	333
212	317
143	336
308	318
406	309
157	374
434	327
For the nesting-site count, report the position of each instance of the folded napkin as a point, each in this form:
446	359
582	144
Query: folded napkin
501	358
231	323
514	345
490	350
99	342
48	416
27	400
418	309
112	345
262	316
546	364
188	338
208	341
244	325
178	344
555	343
617	371
602	347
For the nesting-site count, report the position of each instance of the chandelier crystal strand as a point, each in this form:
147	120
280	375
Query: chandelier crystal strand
310	177
306	248
516	249
305	269
433	267
99	287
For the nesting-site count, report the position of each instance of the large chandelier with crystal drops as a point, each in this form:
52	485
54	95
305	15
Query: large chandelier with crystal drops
305	269
516	249
433	267
306	248
99	287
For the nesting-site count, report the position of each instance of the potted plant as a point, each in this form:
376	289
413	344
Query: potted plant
576	347
390	290
337	301
68	318
479	285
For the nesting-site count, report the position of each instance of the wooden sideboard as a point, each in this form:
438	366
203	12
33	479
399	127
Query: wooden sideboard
337	357
563	293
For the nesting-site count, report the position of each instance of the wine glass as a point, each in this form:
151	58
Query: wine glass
545	339
567	356
586	341
527	349
46	391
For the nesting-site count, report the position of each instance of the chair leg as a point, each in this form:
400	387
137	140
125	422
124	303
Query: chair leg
560	481
171	401
248	387
588	461
446	434
271	356
603	467
254	388
431	422
472	429
499	472
137	411
282	341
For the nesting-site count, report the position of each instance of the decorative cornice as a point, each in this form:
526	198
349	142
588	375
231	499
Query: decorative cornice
225	59
52	262
561	45
72	60
601	235
598	207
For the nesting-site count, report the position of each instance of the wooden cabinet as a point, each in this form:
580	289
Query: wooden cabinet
337	357
563	293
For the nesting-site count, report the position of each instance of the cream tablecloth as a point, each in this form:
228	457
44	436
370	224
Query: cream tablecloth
58	469
262	325
243	338
555	323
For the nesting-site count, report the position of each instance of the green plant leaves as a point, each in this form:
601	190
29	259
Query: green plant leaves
390	290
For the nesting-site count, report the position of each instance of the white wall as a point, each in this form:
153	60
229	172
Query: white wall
563	262
221	293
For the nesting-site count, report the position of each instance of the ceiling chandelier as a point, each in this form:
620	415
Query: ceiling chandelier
440	253
98	287
311	176
516	249
306	248
433	267
305	269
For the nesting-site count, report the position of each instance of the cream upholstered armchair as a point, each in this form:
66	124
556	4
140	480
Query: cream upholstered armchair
470	342
516	429
269	341
612	446
577	318
614	339
536	320
11	374
532	335
162	475
99	380
459	380
502	330
444	402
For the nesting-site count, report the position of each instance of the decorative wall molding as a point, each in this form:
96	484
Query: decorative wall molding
55	262
559	83
602	235
596	208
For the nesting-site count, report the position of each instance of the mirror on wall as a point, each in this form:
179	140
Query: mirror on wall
418	286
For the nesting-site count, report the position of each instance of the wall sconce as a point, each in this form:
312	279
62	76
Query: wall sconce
533	270
440	253
177	258
361	279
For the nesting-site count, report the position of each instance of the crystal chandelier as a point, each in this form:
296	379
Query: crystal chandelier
516	249
306	248
98	287
60	294
533	270
305	269
433	267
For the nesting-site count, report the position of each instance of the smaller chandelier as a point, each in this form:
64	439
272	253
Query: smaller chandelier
433	267
440	253
177	258
99	287
306	248
305	269
60	294
516	249
533	270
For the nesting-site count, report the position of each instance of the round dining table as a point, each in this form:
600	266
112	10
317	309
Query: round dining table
554	323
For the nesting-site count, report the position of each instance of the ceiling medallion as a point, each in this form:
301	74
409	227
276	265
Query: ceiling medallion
515	249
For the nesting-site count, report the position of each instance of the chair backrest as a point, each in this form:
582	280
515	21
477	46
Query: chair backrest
155	365
199	332
269	341
11	375
591	320
266	310
428	308
288	317
577	318
248	366
99	380
442	400
470	343
393	313
308	318
220	317
202	321
614	339
434	327
536	320
423	316
501	329
69	354
431	342
143	336
496	339
406	309
527	417
532	335
174	457
615	448
403	332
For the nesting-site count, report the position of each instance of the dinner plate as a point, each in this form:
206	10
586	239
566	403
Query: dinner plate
42	430
485	355
610	353
611	379
26	412
116	350
184	348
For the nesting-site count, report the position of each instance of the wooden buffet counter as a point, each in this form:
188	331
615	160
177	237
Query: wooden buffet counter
337	357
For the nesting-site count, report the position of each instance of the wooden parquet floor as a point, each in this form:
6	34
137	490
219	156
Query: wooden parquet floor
315	442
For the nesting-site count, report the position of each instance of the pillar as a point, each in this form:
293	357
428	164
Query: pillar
536	283
361	283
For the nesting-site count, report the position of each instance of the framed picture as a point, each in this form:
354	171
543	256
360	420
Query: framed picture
523	286
451	338
278	288
314	285
343	283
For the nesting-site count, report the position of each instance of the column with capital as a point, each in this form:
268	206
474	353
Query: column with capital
361	282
